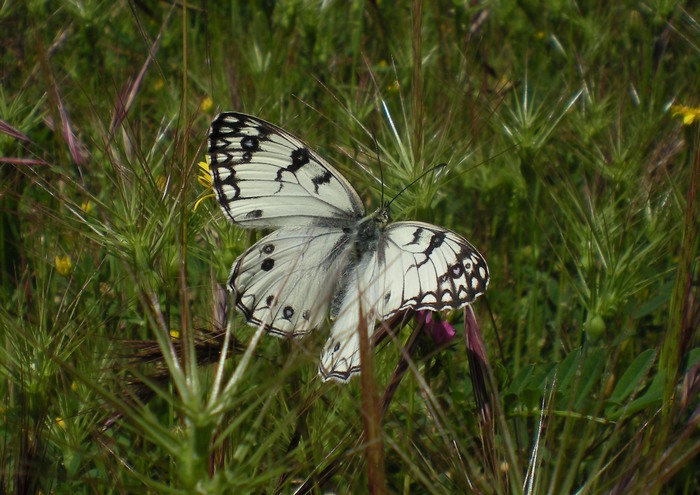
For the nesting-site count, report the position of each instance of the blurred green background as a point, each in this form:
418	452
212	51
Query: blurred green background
571	137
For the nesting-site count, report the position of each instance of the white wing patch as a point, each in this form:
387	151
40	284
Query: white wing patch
286	280
265	177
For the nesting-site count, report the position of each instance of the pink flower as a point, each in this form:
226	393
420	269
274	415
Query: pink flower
440	331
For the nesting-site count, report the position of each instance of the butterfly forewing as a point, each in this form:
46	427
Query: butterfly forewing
265	177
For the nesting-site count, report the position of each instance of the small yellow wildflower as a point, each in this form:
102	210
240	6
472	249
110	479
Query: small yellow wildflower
63	265
206	104
393	86
61	424
503	84
160	182
174	334
204	176
382	64
158	85
86	206
204	179
539	35
688	114
74	386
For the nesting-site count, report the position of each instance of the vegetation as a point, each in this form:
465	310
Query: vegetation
572	142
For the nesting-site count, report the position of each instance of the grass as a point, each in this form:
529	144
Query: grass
123	369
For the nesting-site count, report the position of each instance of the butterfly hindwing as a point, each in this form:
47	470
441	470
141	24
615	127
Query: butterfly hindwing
360	307
265	177
429	267
285	281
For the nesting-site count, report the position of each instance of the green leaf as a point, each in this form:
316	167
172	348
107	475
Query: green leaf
565	373
593	367
632	377
693	359
650	398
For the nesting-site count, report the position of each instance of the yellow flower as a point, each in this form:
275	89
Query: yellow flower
503	84
158	85
160	182
174	334
206	104
539	35
61	424
86	206
394	86
204	179
689	115
63	265
204	176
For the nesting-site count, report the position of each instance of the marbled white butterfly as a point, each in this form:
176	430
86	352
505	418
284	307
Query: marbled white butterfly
326	255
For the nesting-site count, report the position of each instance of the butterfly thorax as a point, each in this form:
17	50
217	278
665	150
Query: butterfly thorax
369	231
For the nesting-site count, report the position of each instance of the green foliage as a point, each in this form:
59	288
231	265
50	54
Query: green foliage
121	369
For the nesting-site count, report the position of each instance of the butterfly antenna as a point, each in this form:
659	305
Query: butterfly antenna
379	161
437	167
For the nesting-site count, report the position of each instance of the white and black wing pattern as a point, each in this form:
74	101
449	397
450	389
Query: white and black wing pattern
429	267
285	281
415	266
264	177
325	253
359	306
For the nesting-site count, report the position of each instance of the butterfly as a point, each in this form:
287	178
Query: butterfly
325	255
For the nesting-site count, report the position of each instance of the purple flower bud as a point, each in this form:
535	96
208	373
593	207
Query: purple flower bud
440	331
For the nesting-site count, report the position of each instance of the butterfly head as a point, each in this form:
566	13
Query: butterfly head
381	216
